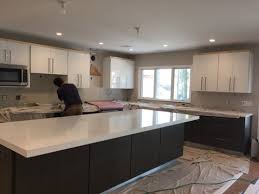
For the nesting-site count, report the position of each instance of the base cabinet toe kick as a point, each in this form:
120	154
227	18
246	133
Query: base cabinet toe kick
90	169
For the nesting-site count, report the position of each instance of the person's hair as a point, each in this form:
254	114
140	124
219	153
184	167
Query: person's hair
58	82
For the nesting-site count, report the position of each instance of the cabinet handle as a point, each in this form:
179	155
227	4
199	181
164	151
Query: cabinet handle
52	65
234	84
201	82
48	65
205	83
78	84
229	86
9	59
81	80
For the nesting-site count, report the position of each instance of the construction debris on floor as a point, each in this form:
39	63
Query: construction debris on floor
199	171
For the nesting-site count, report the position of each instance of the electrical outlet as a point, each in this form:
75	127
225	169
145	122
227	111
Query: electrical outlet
4	97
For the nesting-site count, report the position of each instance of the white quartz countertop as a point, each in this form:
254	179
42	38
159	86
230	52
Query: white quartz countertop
38	137
190	110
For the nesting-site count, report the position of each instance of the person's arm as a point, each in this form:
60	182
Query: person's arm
60	95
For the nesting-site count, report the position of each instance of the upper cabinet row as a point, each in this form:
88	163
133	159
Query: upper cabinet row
223	72
118	73
74	64
15	53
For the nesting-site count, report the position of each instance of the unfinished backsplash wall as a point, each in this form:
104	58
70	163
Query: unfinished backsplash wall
42	89
242	102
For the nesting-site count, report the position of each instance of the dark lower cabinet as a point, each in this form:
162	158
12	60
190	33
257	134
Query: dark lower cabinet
172	140
192	131
145	152
6	170
63	172
109	164
228	133
92	168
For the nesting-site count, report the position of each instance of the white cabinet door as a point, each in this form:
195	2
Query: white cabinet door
130	70
225	72
19	53
79	69
205	72
40	59
118	73
197	74
59	61
209	65
116	77
3	51
85	71
241	72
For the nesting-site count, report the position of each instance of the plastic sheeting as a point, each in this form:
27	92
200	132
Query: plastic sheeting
196	165
37	111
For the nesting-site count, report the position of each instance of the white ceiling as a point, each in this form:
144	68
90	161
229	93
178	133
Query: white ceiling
182	24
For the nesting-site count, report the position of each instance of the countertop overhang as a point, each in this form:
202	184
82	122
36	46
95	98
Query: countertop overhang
38	137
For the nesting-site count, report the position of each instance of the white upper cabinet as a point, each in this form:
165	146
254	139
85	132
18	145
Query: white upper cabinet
3	50
19	53
59	61
14	53
242	72
79	69
235	72
40	59
48	60
223	72
204	72
118	73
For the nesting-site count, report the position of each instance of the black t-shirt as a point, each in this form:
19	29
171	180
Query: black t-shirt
69	94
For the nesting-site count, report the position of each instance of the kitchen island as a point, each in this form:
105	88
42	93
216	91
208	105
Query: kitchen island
88	153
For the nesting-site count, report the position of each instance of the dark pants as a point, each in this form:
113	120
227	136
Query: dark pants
72	110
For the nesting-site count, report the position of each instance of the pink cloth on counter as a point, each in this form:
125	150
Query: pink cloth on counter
107	105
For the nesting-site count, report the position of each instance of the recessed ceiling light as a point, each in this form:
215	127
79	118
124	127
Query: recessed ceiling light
212	40
59	34
165	45
100	43
131	49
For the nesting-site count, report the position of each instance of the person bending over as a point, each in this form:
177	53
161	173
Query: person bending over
69	94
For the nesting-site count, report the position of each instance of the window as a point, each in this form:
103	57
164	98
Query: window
182	79
165	83
148	77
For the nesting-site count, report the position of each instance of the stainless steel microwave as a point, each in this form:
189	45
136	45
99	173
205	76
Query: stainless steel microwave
13	75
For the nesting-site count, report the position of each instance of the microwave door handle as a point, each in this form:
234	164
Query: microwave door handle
5	56
10	56
22	76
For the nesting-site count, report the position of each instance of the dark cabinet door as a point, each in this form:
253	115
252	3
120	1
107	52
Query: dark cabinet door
192	131
62	172
36	175
227	133
73	169
6	170
172	140
109	164
145	152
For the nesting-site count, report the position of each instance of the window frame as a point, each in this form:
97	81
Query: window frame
155	82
